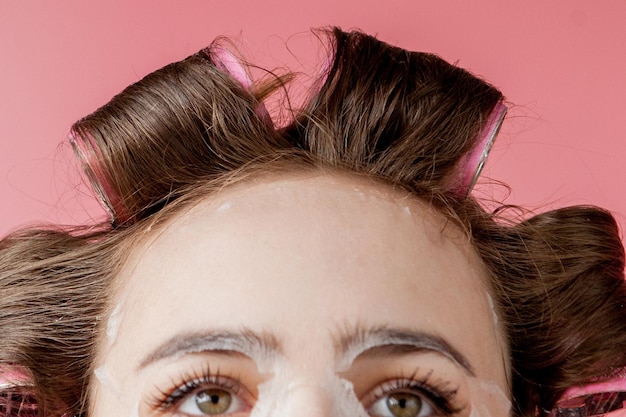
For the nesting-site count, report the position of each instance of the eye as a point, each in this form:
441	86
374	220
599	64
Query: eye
211	401
202	394
422	396
401	404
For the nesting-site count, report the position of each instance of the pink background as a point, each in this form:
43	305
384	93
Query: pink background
562	63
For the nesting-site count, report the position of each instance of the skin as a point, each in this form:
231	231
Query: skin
310	264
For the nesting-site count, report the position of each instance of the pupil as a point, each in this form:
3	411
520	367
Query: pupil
213	401
404	405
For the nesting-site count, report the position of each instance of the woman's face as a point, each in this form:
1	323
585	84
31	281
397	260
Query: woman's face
303	297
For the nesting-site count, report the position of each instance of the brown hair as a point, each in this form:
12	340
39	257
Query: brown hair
401	118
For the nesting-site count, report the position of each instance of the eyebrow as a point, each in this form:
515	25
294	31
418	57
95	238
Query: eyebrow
385	341
376	341
244	342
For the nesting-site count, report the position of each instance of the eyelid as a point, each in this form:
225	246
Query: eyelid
189	383
438	394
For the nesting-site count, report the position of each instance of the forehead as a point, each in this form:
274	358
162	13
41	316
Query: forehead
303	258
340	206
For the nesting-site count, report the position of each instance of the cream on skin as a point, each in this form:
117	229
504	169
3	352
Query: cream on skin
308	296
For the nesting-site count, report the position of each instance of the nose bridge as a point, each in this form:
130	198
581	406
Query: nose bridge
330	396
309	400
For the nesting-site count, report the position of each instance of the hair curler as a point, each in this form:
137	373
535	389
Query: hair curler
230	64
16	394
595	399
471	164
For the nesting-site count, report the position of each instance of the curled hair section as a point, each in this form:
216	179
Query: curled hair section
407	116
411	117
184	123
53	293
561	290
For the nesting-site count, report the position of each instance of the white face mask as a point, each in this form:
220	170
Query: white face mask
288	393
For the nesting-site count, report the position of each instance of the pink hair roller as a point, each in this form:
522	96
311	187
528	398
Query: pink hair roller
88	153
16	396
230	64
471	165
227	62
606	398
13	376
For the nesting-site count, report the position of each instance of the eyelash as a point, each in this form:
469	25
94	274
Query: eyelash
437	393
187	383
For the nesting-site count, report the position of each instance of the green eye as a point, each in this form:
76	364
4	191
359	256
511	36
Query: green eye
404	405
213	401
207	395
401	404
